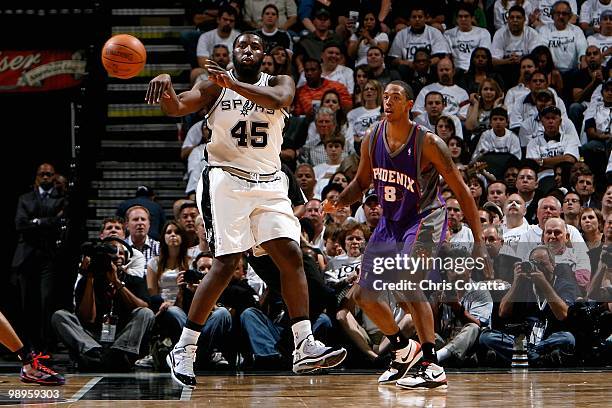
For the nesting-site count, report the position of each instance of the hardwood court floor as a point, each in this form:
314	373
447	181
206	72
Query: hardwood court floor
474	389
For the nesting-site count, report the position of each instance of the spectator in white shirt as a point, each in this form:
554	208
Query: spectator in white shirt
527	68
416	36
515	223
369	35
553	147
360	119
457	99
513	41
532	127
460	235
434	108
502	7
543	12
603	38
598	127
498	139
464	38
566	41
525	107
590	14
223	34
332	69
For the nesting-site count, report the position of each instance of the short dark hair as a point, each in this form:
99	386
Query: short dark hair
228	10
267	6
331	187
311	59
499	111
112	219
431	93
468	8
518	9
407	89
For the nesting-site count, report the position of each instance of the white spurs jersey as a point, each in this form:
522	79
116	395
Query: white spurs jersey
245	135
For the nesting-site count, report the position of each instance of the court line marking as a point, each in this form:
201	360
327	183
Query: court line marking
84	389
186	394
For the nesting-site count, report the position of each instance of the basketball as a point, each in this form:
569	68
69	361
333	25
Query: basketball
123	56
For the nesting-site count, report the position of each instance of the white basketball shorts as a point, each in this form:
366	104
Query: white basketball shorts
241	214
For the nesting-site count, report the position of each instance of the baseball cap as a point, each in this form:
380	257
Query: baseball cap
607	83
550	109
370	195
322	12
491	206
144	191
605	13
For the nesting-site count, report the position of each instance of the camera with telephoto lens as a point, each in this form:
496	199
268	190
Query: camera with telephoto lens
528	267
193	276
101	255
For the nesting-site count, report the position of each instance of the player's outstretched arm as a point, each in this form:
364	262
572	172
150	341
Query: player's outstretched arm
276	96
354	191
160	90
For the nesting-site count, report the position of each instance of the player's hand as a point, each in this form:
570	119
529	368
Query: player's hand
218	75
331	206
158	87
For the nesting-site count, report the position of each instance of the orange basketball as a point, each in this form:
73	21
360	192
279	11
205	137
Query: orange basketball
123	56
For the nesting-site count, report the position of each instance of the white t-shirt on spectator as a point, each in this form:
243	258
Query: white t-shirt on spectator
360	119
457	99
463	239
362	49
512	237
323	172
462	44
566	46
500	14
603	118
545	7
491	143
603	42
590	12
505	44
533	237
208	40
194	135
406	43
523	109
514	94
195	165
532	127
423	120
341	74
539	148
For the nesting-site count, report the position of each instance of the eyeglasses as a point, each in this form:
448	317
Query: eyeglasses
45	173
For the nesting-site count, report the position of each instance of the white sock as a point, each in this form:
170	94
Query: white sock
443	354
301	330
188	337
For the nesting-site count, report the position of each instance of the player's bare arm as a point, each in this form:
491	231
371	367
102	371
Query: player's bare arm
436	153
354	191
276	96
161	91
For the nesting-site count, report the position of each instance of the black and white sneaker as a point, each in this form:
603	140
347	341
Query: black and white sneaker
180	360
428	375
311	355
404	359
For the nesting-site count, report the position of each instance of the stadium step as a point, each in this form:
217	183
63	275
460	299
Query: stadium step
140	144
152	32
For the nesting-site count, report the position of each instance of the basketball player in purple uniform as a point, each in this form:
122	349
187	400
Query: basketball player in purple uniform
406	162
243	195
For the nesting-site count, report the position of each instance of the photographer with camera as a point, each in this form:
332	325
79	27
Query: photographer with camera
539	298
112	315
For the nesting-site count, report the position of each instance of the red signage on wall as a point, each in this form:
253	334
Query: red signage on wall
40	70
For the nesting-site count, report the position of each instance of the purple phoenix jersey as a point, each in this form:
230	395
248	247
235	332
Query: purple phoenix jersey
412	209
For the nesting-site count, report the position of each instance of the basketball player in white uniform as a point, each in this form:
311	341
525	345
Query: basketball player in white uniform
242	195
